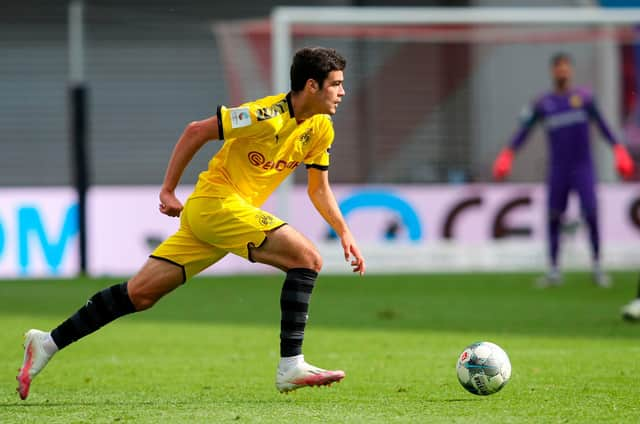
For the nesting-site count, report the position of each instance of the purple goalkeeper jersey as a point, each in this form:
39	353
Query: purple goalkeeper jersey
566	120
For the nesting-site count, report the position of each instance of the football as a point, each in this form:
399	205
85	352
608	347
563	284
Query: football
483	368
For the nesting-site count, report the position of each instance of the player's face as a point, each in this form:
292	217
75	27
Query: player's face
330	96
562	72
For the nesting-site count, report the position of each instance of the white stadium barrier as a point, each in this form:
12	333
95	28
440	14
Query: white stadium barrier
399	228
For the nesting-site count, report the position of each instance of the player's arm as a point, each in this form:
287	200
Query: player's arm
594	113
623	162
504	161
325	202
194	136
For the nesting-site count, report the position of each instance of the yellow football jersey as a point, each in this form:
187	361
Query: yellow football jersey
263	144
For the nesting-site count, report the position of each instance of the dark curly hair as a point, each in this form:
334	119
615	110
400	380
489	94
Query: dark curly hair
560	57
314	63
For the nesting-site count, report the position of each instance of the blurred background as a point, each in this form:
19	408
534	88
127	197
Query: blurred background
89	117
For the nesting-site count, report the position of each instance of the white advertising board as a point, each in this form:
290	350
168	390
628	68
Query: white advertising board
399	228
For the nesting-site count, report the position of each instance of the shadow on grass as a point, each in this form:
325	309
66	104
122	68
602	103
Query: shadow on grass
45	404
496	303
457	400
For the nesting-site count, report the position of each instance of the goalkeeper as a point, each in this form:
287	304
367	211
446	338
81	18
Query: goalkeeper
566	112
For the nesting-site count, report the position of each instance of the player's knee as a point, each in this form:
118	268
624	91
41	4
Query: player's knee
590	214
144	302
555	217
142	299
313	260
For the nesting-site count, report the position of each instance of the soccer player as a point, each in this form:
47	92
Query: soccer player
566	112
264	141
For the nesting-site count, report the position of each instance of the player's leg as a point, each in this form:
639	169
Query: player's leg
238	227
586	188
287	249
154	280
557	199
631	311
168	268
105	306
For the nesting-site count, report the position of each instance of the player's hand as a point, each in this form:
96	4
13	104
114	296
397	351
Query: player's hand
624	162
169	203
502	165
352	253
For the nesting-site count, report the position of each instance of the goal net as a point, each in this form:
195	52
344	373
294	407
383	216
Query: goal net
433	93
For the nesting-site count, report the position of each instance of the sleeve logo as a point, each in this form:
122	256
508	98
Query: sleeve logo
240	117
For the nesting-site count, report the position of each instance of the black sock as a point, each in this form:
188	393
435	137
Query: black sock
103	307
294	305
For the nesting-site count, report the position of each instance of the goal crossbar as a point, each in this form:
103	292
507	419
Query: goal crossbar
285	21
282	19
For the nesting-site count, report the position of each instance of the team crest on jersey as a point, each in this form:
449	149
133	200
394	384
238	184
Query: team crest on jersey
264	219
240	117
306	137
575	101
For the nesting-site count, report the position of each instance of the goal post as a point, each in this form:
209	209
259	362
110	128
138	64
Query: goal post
600	28
283	18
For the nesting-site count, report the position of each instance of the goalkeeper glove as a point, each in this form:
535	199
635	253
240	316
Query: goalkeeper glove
624	163
502	165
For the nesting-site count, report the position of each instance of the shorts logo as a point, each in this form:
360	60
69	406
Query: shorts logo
240	117
257	159
264	219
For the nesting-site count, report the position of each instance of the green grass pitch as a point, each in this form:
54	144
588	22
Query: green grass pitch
207	353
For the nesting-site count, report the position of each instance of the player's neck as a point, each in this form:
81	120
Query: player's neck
561	88
302	108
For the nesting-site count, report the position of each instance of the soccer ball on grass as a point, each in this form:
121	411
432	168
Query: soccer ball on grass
483	368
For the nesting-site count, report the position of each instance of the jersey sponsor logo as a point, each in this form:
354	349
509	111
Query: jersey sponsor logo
258	160
272	111
575	101
240	117
565	119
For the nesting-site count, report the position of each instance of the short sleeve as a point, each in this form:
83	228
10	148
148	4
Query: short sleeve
236	122
319	157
